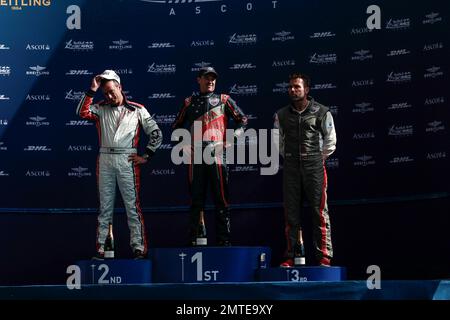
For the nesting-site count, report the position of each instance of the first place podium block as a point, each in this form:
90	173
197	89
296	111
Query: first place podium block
115	271
302	274
206	264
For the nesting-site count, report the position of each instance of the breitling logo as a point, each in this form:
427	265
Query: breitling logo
20	4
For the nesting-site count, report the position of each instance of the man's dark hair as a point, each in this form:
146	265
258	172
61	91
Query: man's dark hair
306	79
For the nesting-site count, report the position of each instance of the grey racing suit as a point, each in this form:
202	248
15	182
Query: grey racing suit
118	130
306	139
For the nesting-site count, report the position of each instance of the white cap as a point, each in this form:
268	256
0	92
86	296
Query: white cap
110	75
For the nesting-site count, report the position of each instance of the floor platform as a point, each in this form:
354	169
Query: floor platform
312	290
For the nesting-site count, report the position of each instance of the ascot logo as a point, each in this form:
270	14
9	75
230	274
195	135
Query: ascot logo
401	105
283	36
38	97
162	68
76	123
364	135
281	87
244	90
161	96
399	77
362	30
433	72
198	65
5	71
163	172
401	131
3	97
20	4
437	155
37	173
37	71
243	39
432	18
3	173
4	47
361	55
78	73
79	172
433	46
363	83
202	43
364	161
79	45
79	148
178	1
399	52
283	63
161	45
120	45
434	100
74	95
397	24
328	58
3	147
37	148
37	121
124	71
363	107
241	66
37	47
323	86
326	34
403	159
435	126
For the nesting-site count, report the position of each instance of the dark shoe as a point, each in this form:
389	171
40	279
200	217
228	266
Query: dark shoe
289	263
99	256
138	254
225	243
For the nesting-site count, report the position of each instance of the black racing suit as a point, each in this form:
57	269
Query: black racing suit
213	111
307	138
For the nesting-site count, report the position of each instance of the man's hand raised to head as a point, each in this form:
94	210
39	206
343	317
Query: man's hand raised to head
95	84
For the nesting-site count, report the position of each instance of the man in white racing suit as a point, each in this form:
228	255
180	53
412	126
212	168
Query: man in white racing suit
118	123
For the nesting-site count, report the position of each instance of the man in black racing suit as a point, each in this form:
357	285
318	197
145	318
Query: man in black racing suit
211	112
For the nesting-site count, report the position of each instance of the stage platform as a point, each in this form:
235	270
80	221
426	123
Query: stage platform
313	290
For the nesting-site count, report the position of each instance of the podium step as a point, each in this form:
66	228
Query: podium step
207	264
115	271
302	274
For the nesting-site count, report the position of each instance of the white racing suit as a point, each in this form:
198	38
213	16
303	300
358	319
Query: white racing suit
118	130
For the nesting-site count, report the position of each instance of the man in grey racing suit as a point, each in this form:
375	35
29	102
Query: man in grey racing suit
307	138
118	123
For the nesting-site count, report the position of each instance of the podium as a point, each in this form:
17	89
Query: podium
115	271
206	264
301	274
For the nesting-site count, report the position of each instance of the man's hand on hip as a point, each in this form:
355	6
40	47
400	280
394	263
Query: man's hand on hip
137	160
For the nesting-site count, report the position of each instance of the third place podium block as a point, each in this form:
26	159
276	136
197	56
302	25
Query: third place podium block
207	264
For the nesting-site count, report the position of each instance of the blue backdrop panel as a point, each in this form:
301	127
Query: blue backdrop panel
386	88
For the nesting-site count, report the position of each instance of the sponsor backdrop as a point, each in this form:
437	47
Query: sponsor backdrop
387	89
